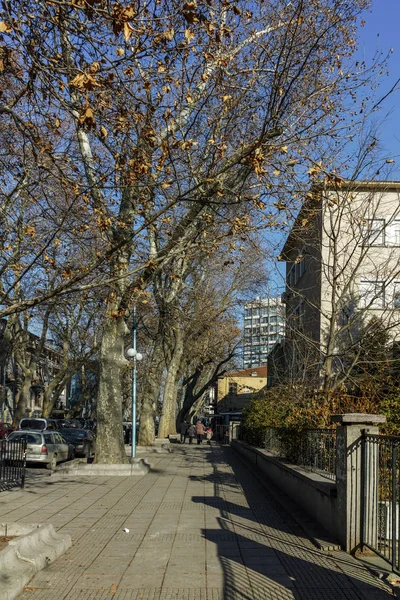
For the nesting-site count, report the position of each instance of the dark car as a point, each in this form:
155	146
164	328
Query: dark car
83	440
75	423
5	429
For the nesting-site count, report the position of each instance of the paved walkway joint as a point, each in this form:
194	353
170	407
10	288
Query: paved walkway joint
201	527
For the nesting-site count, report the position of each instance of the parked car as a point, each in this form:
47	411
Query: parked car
75	423
45	447
5	430
83	440
71	447
39	424
90	424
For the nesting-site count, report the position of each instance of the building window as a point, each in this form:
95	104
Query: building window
374	232
396	294
372	293
392	232
396	232
233	388
297	269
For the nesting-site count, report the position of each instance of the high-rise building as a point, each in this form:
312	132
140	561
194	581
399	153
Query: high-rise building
264	326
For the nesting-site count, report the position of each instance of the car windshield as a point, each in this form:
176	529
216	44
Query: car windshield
30	438
74	433
32	424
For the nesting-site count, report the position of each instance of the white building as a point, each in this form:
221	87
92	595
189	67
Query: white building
264	325
342	270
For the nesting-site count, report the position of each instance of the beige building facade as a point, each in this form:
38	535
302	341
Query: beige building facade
342	270
235	390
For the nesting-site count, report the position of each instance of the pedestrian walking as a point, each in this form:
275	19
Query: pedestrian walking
209	434
200	431
183	431
191	432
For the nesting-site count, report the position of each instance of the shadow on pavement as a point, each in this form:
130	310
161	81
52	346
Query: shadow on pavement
264	554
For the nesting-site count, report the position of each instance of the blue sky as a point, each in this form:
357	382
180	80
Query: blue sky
381	32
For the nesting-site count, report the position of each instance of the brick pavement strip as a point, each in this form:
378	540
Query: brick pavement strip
201	528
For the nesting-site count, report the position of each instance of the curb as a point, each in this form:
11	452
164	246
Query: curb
159	449
139	466
26	555
315	532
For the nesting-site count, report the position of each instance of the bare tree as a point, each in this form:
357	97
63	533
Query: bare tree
205	324
160	122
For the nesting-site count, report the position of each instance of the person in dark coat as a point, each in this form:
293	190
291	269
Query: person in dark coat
183	431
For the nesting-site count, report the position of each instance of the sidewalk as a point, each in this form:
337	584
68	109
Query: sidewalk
201	527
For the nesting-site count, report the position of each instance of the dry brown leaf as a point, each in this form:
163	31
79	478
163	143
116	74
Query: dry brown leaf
189	35
86	119
84	81
128	30
169	34
5	27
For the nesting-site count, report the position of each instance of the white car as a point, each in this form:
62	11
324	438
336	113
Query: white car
46	447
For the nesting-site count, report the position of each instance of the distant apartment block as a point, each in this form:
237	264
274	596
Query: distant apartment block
264	326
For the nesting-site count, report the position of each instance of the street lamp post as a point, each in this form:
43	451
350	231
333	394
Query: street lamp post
132	353
3	325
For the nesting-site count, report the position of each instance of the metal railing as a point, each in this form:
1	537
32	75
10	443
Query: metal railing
380	479
12	464
312	449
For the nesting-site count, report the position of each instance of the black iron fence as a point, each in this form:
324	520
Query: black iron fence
12	464
312	449
380	480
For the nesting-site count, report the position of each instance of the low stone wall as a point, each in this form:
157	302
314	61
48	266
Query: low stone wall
314	493
36	547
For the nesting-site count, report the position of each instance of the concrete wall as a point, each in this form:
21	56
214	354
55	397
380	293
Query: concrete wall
315	494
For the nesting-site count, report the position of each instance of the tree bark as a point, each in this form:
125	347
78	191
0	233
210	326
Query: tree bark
23	398
151	390
168	418
110	443
52	393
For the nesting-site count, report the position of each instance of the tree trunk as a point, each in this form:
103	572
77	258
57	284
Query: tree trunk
151	390
51	395
48	403
110	447
23	397
168	418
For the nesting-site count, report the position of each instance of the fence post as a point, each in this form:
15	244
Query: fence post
349	482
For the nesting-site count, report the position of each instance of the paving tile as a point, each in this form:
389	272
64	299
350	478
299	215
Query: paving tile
201	528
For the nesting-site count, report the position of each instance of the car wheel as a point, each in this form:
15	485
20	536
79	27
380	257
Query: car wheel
53	463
